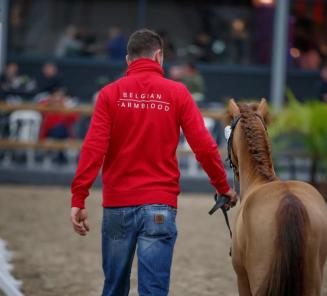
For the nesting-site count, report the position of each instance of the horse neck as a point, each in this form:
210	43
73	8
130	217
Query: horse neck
249	177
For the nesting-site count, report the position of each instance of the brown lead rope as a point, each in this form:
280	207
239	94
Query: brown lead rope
220	202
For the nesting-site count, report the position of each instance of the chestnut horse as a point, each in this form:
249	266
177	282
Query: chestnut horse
280	232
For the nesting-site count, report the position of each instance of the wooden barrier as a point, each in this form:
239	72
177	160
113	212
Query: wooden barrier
48	144
87	109
56	145
82	109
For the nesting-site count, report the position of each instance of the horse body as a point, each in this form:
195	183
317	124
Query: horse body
256	230
280	233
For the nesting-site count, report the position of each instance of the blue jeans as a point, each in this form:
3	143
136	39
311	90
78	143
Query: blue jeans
150	228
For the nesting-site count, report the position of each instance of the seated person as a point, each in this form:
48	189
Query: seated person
9	79
56	124
13	86
49	79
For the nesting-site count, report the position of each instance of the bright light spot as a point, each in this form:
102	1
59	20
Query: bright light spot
263	2
294	52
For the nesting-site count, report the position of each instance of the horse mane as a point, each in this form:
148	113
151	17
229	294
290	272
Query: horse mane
257	141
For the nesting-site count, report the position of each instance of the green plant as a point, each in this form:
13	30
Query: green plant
304	121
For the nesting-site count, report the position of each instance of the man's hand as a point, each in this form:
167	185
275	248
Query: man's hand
232	195
79	220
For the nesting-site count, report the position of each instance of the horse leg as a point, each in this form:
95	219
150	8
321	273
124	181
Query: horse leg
242	277
238	264
243	285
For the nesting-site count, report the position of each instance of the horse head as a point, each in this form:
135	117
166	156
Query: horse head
246	135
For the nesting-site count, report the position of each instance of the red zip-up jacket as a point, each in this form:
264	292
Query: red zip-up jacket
134	134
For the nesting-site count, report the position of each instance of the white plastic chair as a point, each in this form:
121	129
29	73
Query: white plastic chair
24	126
192	164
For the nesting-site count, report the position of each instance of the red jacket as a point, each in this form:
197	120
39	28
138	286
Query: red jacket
134	133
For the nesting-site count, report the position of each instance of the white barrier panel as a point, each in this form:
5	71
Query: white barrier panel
8	284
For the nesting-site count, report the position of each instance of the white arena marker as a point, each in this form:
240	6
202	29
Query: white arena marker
8	284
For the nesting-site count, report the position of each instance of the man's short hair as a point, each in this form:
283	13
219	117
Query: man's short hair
143	43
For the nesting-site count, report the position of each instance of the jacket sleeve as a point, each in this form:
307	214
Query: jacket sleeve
201	142
93	151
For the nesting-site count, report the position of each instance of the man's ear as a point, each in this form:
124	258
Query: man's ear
158	56
233	108
127	59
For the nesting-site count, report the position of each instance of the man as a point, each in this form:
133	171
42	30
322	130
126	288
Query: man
134	134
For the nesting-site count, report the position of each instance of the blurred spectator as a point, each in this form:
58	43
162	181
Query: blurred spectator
323	84
239	37
202	47
189	75
168	46
117	43
88	41
68	44
55	124
14	86
9	80
310	60
50	78
307	43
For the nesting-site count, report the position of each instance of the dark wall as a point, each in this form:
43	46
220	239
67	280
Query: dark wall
247	82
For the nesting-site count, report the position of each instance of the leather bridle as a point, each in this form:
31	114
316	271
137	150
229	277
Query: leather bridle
230	153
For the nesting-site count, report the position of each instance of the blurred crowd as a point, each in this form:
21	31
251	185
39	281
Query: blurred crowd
78	41
17	87
307	50
49	90
225	32
222	35
307	45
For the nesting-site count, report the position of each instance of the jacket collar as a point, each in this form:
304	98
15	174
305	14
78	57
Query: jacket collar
144	65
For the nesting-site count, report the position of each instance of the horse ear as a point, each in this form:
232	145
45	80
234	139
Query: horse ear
263	109
233	108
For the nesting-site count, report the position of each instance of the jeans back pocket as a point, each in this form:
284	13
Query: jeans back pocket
159	220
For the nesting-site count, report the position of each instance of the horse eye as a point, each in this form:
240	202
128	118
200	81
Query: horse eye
228	131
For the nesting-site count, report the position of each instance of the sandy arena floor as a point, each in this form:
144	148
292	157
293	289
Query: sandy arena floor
53	261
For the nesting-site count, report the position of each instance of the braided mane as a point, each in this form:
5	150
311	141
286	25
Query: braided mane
257	141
